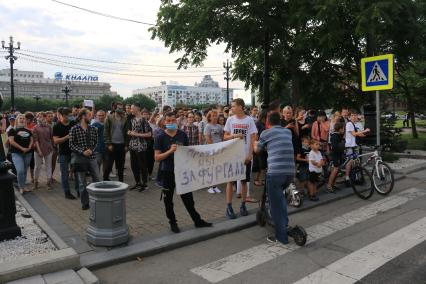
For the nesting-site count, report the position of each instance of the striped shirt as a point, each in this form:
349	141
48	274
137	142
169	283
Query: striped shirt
277	141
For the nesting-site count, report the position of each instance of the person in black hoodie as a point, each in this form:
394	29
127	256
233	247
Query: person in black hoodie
337	143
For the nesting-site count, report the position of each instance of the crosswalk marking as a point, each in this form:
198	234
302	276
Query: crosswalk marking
239	262
362	262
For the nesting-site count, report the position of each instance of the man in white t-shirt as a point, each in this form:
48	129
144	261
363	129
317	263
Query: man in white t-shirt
350	140
240	126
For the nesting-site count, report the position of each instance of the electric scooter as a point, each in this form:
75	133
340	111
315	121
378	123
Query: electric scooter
263	217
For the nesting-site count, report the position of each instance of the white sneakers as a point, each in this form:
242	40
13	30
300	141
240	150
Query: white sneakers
213	190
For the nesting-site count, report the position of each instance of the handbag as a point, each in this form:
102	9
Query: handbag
79	162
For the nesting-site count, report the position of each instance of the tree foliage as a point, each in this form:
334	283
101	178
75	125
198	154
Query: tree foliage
315	45
104	102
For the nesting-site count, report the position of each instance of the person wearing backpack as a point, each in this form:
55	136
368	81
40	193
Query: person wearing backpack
352	133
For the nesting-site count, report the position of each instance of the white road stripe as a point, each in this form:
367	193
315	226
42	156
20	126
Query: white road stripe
239	262
362	262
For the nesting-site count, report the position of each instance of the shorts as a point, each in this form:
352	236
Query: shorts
303	174
314	177
337	159
350	151
259	162
248	173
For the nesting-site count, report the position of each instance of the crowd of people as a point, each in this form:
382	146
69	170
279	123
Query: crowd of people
87	142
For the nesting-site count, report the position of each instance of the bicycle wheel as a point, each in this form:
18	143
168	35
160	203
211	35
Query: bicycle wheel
383	178
361	182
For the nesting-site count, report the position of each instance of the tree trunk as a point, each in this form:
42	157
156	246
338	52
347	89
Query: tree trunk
411	113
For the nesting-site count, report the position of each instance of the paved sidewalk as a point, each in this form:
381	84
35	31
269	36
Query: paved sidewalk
145	212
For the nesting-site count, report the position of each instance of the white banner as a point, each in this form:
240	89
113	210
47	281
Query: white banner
198	167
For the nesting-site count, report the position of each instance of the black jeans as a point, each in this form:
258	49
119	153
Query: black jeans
168	179
118	155
150	156
139	166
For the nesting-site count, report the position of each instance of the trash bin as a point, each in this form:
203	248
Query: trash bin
107	218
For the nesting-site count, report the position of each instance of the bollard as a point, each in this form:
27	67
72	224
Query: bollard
107	218
8	228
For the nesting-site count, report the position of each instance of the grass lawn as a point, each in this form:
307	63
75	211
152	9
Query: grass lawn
419	123
415	144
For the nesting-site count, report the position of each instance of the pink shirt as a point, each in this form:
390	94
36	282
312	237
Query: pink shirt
44	136
322	134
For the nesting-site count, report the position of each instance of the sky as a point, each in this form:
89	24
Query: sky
46	26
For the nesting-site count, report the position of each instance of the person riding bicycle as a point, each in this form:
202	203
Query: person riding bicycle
337	145
352	132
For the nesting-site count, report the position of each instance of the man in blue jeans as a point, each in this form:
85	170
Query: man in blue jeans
277	141
61	136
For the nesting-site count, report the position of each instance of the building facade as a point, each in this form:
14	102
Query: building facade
30	83
206	92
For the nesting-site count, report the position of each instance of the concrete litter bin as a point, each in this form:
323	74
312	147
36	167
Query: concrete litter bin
107	218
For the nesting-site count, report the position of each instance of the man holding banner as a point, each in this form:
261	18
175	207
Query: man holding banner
240	126
165	145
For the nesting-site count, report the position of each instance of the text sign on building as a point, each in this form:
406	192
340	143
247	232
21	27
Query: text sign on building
377	73
76	77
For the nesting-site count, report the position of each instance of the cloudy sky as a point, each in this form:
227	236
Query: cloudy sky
46	26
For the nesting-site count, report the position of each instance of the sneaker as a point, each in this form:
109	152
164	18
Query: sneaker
314	198
174	228
217	190
142	188
111	175
230	213
203	224
69	196
136	186
330	190
347	183
243	210
272	239
211	190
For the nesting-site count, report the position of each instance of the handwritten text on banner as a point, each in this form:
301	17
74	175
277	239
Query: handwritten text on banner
198	167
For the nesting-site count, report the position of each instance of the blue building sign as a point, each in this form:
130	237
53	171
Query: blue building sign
76	77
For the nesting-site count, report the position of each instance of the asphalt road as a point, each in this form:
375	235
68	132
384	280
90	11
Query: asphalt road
382	240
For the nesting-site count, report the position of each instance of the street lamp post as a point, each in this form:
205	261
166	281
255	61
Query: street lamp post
67	90
11	49
37	98
227	66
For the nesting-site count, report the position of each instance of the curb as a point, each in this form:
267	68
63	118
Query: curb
63	258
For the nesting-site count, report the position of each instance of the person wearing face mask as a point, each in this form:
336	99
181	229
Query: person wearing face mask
115	135
165	145
83	142
43	141
61	138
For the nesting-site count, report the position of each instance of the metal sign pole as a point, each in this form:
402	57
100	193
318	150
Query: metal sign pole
378	118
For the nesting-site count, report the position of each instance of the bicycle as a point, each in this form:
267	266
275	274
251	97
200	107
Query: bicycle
382	174
360	178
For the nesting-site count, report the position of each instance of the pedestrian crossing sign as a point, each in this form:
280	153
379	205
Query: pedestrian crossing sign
377	73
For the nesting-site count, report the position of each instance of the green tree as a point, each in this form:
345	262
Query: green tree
143	100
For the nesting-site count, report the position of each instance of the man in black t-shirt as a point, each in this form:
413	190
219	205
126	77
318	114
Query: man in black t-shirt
61	137
165	145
